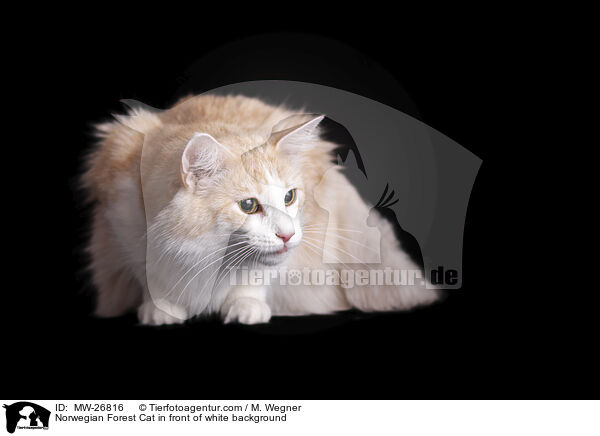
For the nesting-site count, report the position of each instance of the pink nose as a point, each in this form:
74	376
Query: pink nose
285	236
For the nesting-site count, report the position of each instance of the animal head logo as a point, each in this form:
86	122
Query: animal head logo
24	414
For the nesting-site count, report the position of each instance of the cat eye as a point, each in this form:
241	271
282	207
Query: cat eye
290	197
249	205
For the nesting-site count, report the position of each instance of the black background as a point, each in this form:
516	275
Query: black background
487	340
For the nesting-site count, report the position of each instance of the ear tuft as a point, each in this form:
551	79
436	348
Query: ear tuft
298	138
202	158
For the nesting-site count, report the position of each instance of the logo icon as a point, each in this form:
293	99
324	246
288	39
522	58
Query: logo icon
26	415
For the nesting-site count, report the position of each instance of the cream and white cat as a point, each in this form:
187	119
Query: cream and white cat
216	182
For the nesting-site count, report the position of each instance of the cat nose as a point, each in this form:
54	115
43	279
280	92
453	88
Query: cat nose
285	236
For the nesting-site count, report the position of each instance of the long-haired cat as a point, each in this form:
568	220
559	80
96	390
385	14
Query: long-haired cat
183	196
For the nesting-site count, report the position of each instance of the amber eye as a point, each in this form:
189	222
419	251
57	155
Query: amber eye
290	197
249	205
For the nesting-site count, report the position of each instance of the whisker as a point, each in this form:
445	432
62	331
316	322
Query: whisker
335	228
316	251
216	260
248	254
343	251
344	238
230	265
222	270
224	266
199	262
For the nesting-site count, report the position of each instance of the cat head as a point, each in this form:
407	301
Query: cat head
236	185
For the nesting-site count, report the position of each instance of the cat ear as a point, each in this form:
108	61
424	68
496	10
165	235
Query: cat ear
298	138
202	157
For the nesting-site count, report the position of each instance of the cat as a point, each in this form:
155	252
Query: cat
218	182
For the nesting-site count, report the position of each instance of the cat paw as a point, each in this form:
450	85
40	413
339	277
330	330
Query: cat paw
248	311
149	313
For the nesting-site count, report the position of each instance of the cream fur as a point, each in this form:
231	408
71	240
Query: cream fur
166	188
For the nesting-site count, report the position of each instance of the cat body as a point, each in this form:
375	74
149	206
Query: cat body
183	196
